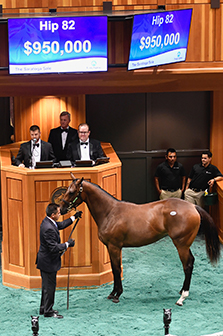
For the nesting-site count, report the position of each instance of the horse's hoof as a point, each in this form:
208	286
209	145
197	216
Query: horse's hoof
180	304
110	297
115	300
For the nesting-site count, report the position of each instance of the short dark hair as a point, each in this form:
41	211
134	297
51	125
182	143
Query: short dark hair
208	153
33	128
65	113
83	124
51	208
170	150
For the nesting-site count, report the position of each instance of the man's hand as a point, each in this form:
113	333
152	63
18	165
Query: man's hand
211	182
71	242
78	214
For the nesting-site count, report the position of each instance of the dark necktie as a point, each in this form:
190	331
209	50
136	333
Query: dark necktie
84	143
64	130
35	145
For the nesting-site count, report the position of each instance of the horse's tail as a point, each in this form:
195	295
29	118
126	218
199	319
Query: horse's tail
211	235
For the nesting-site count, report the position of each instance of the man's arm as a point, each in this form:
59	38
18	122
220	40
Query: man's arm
216	179
183	183
188	183
51	154
19	158
100	151
157	185
50	138
69	154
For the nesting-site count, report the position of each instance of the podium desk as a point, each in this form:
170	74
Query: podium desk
25	194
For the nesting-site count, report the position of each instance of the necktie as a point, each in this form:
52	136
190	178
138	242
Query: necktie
64	130
84	143
35	145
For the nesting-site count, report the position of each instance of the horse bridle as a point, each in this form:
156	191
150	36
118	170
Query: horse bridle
70	205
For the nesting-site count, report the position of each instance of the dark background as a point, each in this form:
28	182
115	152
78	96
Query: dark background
142	126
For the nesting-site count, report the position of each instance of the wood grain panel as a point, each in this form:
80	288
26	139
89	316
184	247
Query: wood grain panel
16	233
109	184
14	189
44	189
45	112
216	134
219	34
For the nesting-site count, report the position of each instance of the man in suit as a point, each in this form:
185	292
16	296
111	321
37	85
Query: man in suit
84	148
34	150
61	136
49	256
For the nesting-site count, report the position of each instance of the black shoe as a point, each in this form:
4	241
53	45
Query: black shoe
54	315
41	312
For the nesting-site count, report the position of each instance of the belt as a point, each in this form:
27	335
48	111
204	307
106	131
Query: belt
171	190
197	190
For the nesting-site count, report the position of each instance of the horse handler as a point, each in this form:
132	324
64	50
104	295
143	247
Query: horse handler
49	255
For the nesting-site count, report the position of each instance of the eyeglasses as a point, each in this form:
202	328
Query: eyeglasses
83	132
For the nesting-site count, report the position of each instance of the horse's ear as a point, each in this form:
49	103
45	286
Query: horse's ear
81	180
72	176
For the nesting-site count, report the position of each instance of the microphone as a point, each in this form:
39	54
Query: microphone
34	142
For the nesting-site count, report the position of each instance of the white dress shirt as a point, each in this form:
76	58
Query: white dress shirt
85	151
36	152
64	137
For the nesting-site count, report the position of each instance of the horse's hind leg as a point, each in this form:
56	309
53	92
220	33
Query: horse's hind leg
115	257
187	260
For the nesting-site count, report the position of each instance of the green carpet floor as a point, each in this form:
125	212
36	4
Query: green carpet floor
153	276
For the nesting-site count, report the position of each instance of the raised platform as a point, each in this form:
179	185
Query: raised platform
25	195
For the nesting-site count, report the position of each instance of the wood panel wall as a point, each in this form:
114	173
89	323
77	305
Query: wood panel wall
216	127
44	112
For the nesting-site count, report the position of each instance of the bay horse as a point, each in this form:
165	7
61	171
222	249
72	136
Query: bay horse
124	224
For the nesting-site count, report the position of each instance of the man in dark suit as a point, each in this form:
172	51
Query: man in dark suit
61	136
34	150
84	148
49	256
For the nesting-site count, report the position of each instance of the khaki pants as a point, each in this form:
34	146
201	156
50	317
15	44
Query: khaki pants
168	194
194	197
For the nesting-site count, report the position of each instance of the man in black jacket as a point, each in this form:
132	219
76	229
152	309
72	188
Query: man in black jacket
49	256
84	148
34	150
61	136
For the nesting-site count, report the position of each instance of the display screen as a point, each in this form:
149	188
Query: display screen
159	38
58	44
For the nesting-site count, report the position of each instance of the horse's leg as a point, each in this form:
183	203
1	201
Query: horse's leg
115	258
187	260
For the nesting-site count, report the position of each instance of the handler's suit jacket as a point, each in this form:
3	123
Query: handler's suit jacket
49	254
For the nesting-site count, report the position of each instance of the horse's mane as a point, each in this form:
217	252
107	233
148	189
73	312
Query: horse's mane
96	185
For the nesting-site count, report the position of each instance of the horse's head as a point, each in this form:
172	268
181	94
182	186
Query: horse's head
72	198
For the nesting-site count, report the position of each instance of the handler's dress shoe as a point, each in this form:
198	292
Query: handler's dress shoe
41	312
56	315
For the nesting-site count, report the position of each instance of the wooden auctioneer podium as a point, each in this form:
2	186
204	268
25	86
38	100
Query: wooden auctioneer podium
25	195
